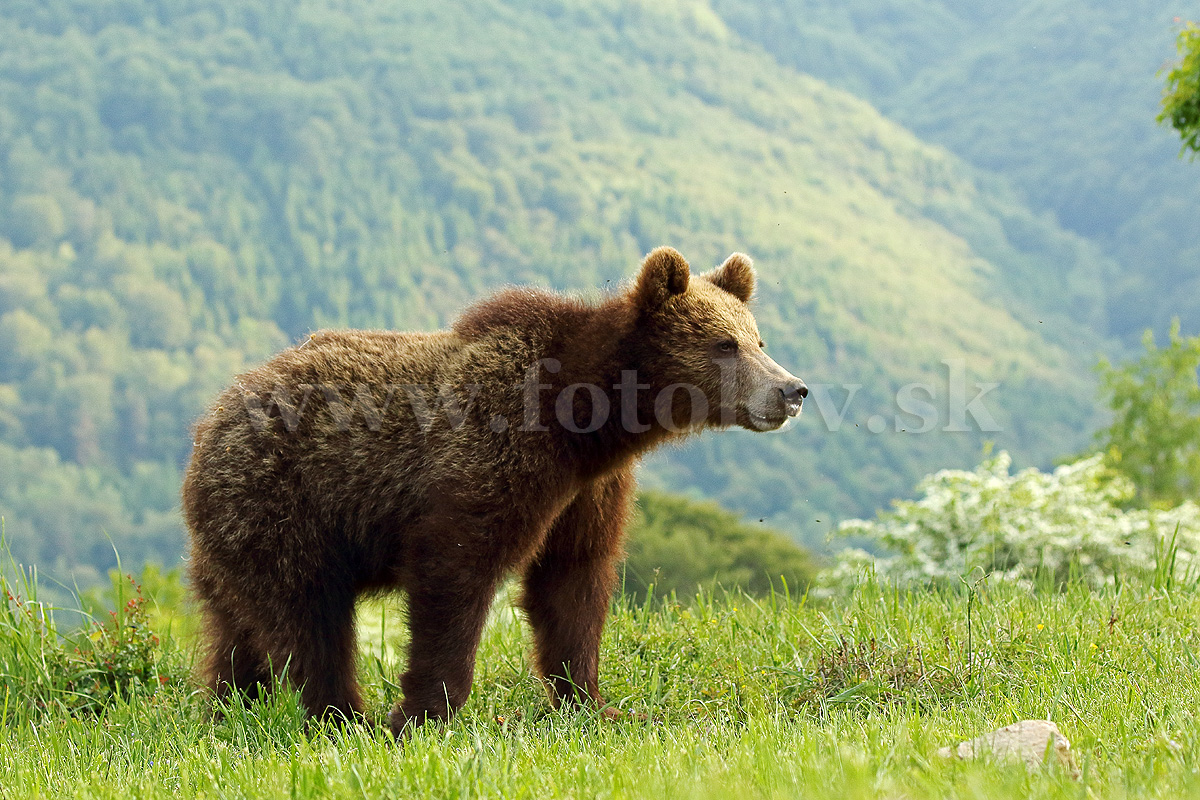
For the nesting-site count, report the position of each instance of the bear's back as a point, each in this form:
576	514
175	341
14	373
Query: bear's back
276	427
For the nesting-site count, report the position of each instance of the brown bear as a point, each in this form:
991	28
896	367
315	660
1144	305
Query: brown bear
438	463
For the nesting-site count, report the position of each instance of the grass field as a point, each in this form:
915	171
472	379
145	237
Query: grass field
783	697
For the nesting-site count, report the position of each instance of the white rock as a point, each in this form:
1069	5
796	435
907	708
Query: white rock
1027	741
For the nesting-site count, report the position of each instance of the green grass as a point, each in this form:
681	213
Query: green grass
778	698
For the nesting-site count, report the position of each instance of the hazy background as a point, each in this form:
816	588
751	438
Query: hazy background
187	186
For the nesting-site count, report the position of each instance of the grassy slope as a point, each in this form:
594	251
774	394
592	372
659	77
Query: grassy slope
735	712
351	164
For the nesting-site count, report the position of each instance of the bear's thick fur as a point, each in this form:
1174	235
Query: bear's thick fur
437	463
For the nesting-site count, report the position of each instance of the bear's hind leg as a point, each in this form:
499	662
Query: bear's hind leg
314	647
446	624
233	663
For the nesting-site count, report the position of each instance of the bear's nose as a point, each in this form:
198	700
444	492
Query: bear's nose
793	396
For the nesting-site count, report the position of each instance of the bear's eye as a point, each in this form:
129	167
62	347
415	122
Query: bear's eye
727	346
762	345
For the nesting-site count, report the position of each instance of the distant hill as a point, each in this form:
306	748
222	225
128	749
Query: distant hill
1058	96
188	186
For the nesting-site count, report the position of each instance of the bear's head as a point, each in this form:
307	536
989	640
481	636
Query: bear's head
699	349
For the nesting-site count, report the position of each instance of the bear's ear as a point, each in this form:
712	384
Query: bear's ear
665	273
735	276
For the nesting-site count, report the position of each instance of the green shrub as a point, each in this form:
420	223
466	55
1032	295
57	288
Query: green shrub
1181	97
1070	523
45	668
1154	438
678	545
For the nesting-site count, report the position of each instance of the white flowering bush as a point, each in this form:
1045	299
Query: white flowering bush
1069	522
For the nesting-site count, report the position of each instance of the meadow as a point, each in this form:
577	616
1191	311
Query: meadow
782	696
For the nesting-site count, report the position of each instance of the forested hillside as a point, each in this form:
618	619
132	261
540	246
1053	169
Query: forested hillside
187	185
1059	96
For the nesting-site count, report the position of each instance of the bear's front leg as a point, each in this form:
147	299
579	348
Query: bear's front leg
568	588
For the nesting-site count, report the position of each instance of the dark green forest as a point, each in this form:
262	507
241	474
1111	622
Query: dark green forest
1058	96
188	185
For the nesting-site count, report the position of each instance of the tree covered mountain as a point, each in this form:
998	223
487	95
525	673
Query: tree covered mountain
1058	96
188	185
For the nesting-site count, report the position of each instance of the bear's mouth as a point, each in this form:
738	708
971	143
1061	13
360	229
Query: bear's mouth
765	422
